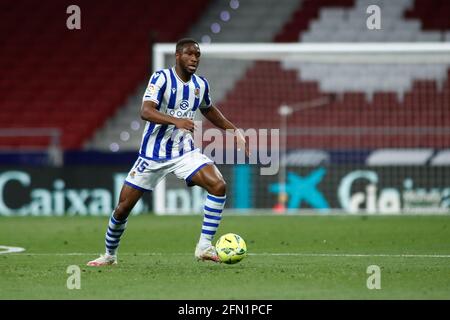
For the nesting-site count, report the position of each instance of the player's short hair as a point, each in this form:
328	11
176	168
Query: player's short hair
182	42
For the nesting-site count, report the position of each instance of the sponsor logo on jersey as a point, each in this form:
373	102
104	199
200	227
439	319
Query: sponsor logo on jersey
151	89
184	105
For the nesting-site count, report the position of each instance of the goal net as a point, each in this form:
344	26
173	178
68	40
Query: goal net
340	128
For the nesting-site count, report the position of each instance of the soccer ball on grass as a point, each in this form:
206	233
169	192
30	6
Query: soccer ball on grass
231	248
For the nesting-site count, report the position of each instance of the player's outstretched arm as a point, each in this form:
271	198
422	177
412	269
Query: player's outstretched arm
218	119
150	113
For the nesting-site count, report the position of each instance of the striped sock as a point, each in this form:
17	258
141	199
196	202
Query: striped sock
211	220
113	234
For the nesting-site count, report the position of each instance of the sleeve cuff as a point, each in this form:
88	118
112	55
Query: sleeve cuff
150	99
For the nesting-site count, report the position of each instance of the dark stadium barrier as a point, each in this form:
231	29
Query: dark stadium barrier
343	188
75	190
94	190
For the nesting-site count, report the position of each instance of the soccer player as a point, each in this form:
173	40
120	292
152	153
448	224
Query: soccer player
169	105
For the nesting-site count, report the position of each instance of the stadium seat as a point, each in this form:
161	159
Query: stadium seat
57	77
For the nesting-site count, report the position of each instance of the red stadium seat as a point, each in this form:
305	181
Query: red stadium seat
260	101
55	76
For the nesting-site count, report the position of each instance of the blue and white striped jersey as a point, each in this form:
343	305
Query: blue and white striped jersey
176	98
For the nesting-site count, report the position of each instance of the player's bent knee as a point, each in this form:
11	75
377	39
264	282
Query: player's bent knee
219	188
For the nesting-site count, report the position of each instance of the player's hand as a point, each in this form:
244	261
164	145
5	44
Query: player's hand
186	124
241	143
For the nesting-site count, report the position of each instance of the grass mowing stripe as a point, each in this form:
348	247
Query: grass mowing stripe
295	257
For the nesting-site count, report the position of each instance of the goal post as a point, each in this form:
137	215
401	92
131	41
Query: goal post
363	127
315	52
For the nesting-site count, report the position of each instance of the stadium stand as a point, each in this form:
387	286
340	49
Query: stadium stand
72	76
248	21
74	80
240	88
414	97
305	13
433	15
252	94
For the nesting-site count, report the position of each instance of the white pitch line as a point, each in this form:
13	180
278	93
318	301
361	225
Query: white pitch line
352	255
9	250
345	255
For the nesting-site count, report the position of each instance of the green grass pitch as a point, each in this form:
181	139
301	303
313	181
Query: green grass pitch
290	257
